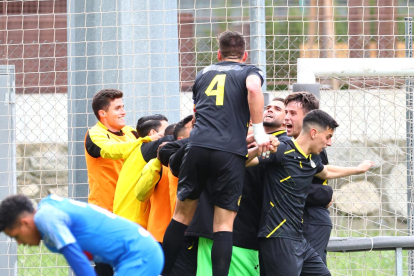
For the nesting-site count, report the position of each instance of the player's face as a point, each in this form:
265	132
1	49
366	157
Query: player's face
294	114
24	234
115	115
274	114
322	140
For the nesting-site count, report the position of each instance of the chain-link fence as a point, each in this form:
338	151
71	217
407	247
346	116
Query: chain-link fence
62	52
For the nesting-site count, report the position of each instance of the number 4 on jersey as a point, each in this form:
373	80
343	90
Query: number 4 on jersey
219	91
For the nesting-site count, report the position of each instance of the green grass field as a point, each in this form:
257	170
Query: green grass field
38	261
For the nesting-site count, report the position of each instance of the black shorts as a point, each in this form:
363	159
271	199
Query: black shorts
318	237
220	173
283	257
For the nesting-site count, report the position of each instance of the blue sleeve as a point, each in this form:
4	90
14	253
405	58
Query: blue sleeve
53	224
77	260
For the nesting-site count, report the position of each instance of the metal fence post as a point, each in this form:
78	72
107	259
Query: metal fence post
8	177
258	39
398	262
409	131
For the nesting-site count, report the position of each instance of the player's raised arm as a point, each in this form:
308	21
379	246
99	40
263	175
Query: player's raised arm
256	103
332	172
252	159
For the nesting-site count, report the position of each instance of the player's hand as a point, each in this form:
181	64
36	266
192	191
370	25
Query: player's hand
274	143
264	149
158	151
156	136
252	145
330	203
250	139
365	166
262	140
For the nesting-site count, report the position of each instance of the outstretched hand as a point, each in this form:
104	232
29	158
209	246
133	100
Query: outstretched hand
365	166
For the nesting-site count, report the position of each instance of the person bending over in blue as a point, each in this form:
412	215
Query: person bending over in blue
82	231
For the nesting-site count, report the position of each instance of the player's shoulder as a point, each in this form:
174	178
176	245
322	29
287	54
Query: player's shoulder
281	135
127	129
316	157
97	129
51	200
288	144
49	208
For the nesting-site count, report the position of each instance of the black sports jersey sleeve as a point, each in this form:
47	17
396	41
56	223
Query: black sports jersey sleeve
274	157
324	159
169	149
177	159
319	166
319	195
222	110
149	150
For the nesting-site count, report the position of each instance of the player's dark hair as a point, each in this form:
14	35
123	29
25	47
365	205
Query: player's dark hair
232	44
319	118
144	129
169	130
11	208
181	125
158	117
103	99
278	99
307	100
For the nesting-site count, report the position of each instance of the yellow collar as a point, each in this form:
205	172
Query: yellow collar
299	149
278	132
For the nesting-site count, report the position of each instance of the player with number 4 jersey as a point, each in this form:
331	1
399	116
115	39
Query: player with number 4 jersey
222	111
226	95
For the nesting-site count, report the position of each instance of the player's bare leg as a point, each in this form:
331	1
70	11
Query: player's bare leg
223	241
184	210
174	235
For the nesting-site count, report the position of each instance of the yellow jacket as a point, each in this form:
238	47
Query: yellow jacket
126	203
105	152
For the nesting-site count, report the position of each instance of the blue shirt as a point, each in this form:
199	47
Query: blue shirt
100	234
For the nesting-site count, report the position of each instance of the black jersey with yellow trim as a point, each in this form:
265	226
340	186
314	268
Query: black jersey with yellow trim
281	135
320	195
287	176
149	150
222	110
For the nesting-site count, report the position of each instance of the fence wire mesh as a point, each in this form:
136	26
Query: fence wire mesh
58	47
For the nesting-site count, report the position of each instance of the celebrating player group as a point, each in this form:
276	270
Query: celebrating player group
230	190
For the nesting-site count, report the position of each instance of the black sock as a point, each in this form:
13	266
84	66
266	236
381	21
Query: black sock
221	253
173	239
